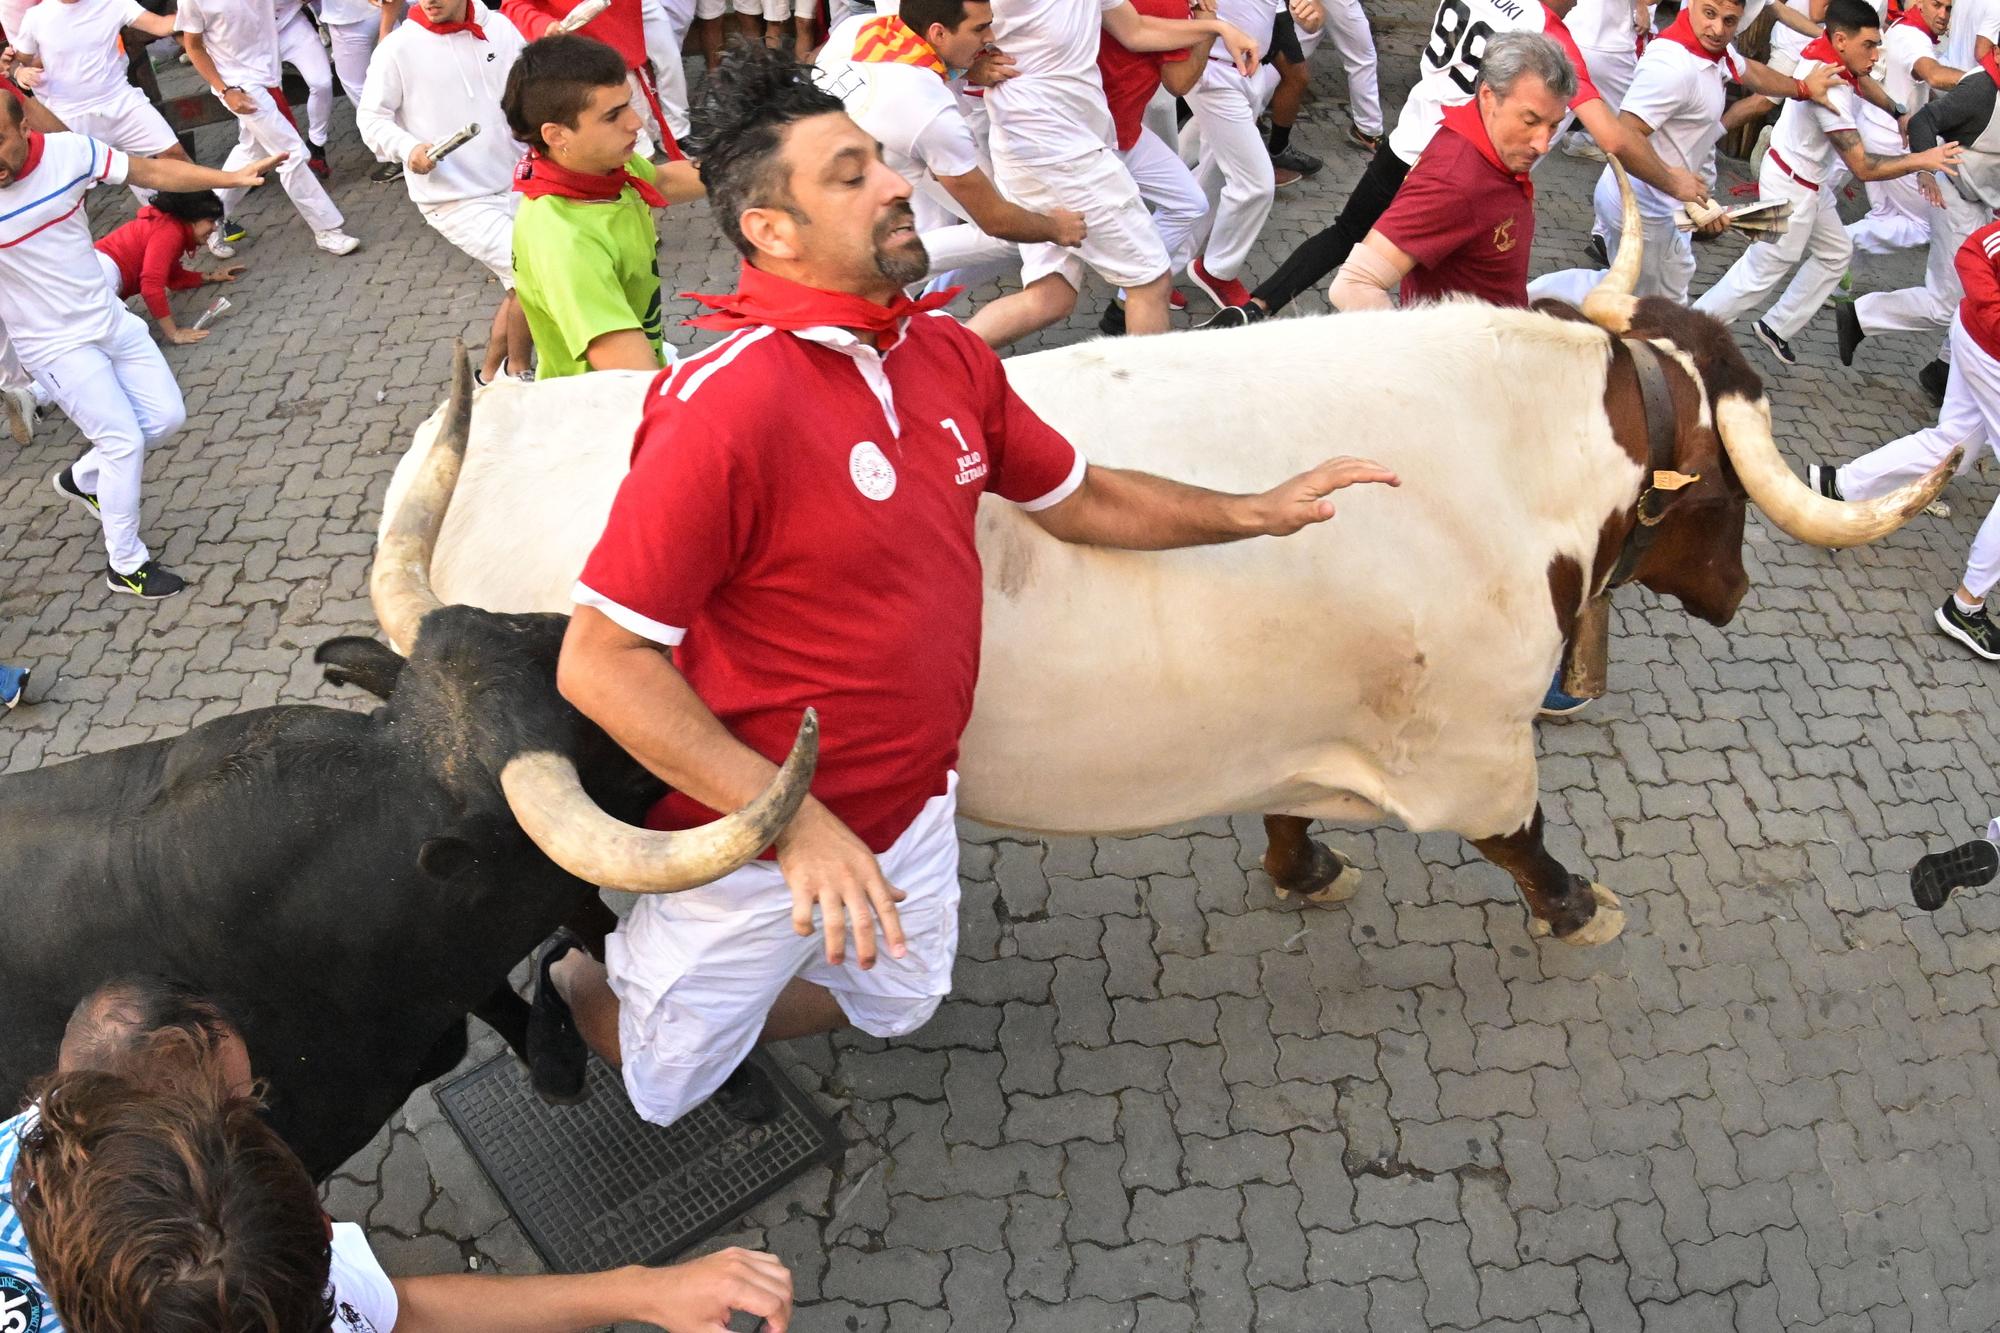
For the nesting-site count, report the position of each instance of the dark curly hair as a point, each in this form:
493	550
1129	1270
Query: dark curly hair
739	130
189	205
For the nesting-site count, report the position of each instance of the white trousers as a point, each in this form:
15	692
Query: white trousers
1235	167
1928	308
1898	218
298	46
1816	245
1177	202
1347	28
122	396
126	121
1612	71
267	130
353	48
663	52
1969	419
1666	270
972	256
697	972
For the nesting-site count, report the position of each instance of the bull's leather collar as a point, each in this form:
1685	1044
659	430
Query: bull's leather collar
1656	401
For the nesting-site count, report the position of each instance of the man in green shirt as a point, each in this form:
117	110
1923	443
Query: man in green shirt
586	255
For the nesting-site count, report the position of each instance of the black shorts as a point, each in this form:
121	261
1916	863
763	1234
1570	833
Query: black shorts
1285	40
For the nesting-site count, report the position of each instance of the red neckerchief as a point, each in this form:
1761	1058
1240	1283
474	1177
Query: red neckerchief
1820	49
1681	33
764	300
890	41
468	24
1991	66
1915	18
1463	120
35	156
538	175
188	242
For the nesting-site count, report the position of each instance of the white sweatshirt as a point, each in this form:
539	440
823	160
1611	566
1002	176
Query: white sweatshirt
423	87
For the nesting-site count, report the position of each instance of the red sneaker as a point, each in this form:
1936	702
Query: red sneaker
1176	300
1222	291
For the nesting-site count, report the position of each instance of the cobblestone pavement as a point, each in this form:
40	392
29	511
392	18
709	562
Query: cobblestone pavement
1159	1099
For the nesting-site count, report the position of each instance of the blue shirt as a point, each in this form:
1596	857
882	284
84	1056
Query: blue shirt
24	1306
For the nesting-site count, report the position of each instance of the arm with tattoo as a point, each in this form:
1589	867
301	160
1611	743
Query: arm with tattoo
1868	166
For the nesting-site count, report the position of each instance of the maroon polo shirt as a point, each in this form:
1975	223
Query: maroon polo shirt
1465	218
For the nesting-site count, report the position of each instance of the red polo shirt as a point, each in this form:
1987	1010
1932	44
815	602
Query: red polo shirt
798	523
1132	77
1465	218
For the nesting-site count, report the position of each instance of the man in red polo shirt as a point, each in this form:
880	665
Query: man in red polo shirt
759	561
1464	220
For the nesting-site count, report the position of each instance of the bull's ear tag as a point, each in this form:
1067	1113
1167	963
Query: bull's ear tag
1673	481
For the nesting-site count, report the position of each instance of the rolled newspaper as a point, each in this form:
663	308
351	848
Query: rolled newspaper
444	149
579	16
215	311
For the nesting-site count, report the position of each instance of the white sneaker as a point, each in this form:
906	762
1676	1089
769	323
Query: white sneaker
1576	144
19	405
335	242
218	247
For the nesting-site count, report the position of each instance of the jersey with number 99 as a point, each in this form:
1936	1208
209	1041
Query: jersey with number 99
1448	69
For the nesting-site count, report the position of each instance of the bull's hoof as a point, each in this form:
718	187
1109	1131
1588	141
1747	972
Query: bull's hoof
1605	924
1331	879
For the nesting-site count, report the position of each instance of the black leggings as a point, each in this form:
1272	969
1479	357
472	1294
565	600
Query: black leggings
1327	250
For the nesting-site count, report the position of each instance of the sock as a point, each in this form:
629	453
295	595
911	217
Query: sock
1281	138
1965	610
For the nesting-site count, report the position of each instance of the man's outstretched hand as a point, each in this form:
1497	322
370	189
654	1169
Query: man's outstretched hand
253	175
1302	501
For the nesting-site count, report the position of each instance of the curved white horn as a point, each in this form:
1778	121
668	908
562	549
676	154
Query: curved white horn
1611	303
549	802
1797	509
399	583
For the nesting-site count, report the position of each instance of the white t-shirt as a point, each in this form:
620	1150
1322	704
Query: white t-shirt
78	43
241	36
912	112
1603	25
1681	96
364	1300
1255	17
1784	40
1448	68
1970	20
1801	136
1053	110
53	298
1903	45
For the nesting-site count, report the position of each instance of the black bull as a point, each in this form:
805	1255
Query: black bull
351	885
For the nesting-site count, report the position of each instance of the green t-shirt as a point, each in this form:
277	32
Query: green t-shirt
585	269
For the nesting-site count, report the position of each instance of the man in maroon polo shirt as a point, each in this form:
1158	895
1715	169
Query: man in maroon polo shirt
1464	220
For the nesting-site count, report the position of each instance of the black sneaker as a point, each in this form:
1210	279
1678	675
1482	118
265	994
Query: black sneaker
557	1055
148	581
388	171
1112	325
1825	480
1291	159
1965	867
1972	629
1777	346
1932	379
232	231
1598	254
65	484
747	1095
1235	316
1847	327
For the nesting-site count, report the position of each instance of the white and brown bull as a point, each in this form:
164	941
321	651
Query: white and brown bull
1387	663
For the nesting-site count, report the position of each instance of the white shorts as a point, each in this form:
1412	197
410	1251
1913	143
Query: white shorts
1123	245
127	122
697	972
710	9
483	227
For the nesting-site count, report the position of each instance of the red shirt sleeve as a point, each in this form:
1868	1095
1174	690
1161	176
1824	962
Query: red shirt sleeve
159	266
682	522
529	18
1586	91
1428	219
1980	275
1032	463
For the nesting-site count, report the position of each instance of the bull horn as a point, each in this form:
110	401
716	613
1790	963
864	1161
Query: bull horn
550	804
1610	304
1797	509
399	584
